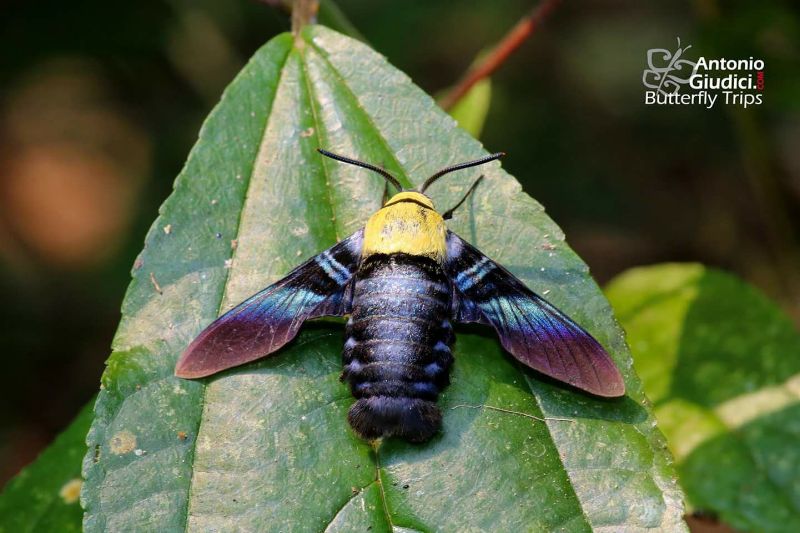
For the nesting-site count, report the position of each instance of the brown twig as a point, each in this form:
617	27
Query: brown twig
303	12
512	40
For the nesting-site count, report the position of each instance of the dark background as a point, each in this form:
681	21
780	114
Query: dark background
101	101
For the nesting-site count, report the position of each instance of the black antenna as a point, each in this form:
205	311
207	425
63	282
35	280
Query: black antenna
460	166
447	215
391	179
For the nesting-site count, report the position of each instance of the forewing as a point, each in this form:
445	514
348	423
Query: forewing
271	318
531	329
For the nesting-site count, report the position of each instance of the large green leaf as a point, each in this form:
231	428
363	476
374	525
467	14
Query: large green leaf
267	446
44	496
721	364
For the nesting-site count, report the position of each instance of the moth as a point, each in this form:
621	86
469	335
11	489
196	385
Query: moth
404	279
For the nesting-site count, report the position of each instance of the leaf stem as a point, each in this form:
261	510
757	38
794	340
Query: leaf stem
507	45
304	12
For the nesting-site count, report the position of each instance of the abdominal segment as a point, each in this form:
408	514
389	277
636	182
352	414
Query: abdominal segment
397	351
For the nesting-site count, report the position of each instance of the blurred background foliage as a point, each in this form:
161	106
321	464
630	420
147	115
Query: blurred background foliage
100	103
721	365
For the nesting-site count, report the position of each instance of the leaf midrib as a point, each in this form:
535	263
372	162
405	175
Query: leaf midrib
318	134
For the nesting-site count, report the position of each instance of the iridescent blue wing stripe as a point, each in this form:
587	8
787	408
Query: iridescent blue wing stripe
272	317
531	329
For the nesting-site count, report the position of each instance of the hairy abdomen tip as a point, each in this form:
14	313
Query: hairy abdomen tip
412	419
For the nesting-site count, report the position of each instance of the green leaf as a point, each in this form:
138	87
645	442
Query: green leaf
721	364
44	495
267	445
470	111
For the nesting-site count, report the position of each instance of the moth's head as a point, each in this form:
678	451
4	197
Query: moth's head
410	196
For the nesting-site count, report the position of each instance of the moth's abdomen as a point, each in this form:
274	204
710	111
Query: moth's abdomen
397	354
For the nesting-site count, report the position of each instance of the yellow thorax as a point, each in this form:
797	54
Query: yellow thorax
407	223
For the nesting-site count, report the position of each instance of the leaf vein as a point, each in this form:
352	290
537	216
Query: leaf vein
220	306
